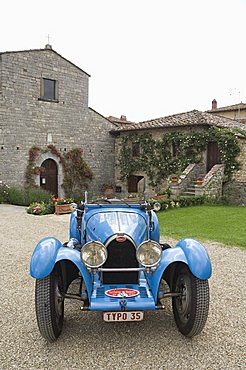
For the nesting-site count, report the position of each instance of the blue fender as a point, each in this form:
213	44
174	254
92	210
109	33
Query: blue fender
49	251
188	251
44	257
73	255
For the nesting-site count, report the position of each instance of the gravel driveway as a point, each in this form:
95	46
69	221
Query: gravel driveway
89	343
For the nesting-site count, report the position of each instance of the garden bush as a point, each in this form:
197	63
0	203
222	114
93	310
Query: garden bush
188	201
4	192
24	197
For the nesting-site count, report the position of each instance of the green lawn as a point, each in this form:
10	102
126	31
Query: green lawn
219	223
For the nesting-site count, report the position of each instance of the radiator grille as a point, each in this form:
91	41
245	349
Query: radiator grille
121	255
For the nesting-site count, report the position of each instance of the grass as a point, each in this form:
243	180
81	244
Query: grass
223	224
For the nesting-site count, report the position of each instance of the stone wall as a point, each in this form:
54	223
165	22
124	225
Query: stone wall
212	184
235	192
25	120
240	176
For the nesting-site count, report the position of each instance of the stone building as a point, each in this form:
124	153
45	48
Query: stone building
235	111
44	101
210	167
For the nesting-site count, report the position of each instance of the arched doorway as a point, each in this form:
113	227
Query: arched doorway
48	178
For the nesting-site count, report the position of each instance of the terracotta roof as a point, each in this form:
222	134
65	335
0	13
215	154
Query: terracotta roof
240	106
192	118
46	49
120	120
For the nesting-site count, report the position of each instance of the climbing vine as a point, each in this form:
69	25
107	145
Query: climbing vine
158	160
76	170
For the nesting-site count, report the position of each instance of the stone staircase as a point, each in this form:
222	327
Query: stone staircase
191	188
188	184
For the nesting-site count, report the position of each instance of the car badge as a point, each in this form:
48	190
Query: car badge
122	292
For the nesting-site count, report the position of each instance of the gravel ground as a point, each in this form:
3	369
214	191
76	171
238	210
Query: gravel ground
89	343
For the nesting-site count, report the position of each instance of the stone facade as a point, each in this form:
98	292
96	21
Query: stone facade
66	121
156	133
235	190
189	122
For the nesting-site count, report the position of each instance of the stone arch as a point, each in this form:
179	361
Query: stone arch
60	175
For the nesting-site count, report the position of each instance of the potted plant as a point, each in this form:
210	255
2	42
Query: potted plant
163	194
108	190
174	179
63	205
199	181
134	197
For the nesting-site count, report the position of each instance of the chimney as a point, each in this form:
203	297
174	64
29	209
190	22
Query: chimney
214	104
123	118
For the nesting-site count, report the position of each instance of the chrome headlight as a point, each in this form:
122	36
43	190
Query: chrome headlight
94	254
149	253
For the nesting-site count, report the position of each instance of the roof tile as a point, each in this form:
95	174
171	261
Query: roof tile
192	118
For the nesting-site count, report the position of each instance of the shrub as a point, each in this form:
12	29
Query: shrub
190	201
4	192
24	197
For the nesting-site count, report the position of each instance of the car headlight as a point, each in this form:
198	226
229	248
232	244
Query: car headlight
149	253
94	254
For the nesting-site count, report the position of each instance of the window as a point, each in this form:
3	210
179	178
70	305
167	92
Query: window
49	90
135	149
176	150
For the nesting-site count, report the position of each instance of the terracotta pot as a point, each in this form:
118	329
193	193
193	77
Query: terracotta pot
109	192
160	197
62	209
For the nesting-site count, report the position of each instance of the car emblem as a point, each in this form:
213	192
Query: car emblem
122	292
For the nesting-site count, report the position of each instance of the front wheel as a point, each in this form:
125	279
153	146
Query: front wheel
50	305
190	309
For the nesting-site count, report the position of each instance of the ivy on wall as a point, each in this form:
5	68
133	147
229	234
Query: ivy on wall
158	161
75	168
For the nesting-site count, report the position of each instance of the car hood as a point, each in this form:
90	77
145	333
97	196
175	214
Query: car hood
102	225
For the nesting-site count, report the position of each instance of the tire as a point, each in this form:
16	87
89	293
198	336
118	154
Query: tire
50	305
191	310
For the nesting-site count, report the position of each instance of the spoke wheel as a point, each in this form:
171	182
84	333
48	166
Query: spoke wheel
190	309
50	305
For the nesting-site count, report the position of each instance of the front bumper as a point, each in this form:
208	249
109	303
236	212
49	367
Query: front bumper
101	302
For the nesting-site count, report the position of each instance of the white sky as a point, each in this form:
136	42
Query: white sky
147	58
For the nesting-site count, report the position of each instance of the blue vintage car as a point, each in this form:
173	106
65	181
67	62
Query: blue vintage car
115	254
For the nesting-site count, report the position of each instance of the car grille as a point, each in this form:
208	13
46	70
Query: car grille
121	255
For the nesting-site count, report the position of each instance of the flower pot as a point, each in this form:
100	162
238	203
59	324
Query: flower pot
109	192
160	197
62	209
199	182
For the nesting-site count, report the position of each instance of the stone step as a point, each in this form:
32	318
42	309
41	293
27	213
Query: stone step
186	193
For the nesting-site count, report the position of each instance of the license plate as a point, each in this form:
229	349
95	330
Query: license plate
123	316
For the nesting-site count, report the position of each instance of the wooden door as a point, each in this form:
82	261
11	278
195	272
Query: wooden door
213	155
48	178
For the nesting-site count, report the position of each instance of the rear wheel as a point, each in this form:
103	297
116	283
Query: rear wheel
191	308
50	305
